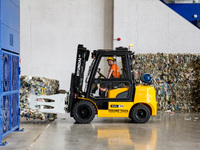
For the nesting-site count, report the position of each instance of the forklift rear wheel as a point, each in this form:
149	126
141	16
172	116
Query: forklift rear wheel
83	112
140	114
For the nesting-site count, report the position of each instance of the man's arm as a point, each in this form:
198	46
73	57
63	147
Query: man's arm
110	73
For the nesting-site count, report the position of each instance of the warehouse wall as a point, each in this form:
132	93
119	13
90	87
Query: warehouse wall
153	27
52	29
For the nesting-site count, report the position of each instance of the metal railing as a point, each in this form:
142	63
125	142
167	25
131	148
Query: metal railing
181	1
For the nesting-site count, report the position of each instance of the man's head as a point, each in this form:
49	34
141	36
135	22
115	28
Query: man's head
110	61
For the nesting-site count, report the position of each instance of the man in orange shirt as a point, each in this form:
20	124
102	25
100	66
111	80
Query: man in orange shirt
114	72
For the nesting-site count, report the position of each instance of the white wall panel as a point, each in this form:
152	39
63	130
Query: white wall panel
153	27
52	29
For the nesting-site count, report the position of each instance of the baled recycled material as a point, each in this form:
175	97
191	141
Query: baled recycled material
36	86
175	78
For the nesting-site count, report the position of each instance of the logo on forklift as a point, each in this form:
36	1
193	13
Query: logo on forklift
117	106
78	66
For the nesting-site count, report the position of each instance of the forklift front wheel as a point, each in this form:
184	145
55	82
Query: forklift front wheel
83	112
140	114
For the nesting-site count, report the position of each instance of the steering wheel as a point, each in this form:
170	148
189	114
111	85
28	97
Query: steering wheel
101	75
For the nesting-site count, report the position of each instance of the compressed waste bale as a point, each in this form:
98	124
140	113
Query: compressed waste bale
36	86
175	78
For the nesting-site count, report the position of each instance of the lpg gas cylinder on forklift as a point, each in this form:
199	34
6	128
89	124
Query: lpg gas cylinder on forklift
120	98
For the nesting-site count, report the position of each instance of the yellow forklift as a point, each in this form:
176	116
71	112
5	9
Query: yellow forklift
120	98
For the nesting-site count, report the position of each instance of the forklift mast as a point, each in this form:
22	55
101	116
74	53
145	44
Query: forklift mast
77	77
81	59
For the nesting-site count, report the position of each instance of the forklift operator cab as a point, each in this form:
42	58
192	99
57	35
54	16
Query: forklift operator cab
121	97
114	63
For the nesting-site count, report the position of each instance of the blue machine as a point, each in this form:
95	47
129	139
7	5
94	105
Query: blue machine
9	67
189	11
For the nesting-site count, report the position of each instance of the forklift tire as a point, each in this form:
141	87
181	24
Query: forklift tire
140	114
83	112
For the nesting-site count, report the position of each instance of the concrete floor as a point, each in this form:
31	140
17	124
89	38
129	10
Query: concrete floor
163	132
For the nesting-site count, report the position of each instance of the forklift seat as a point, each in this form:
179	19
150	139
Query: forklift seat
118	93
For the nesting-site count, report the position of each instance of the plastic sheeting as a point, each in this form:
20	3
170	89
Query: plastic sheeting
175	78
